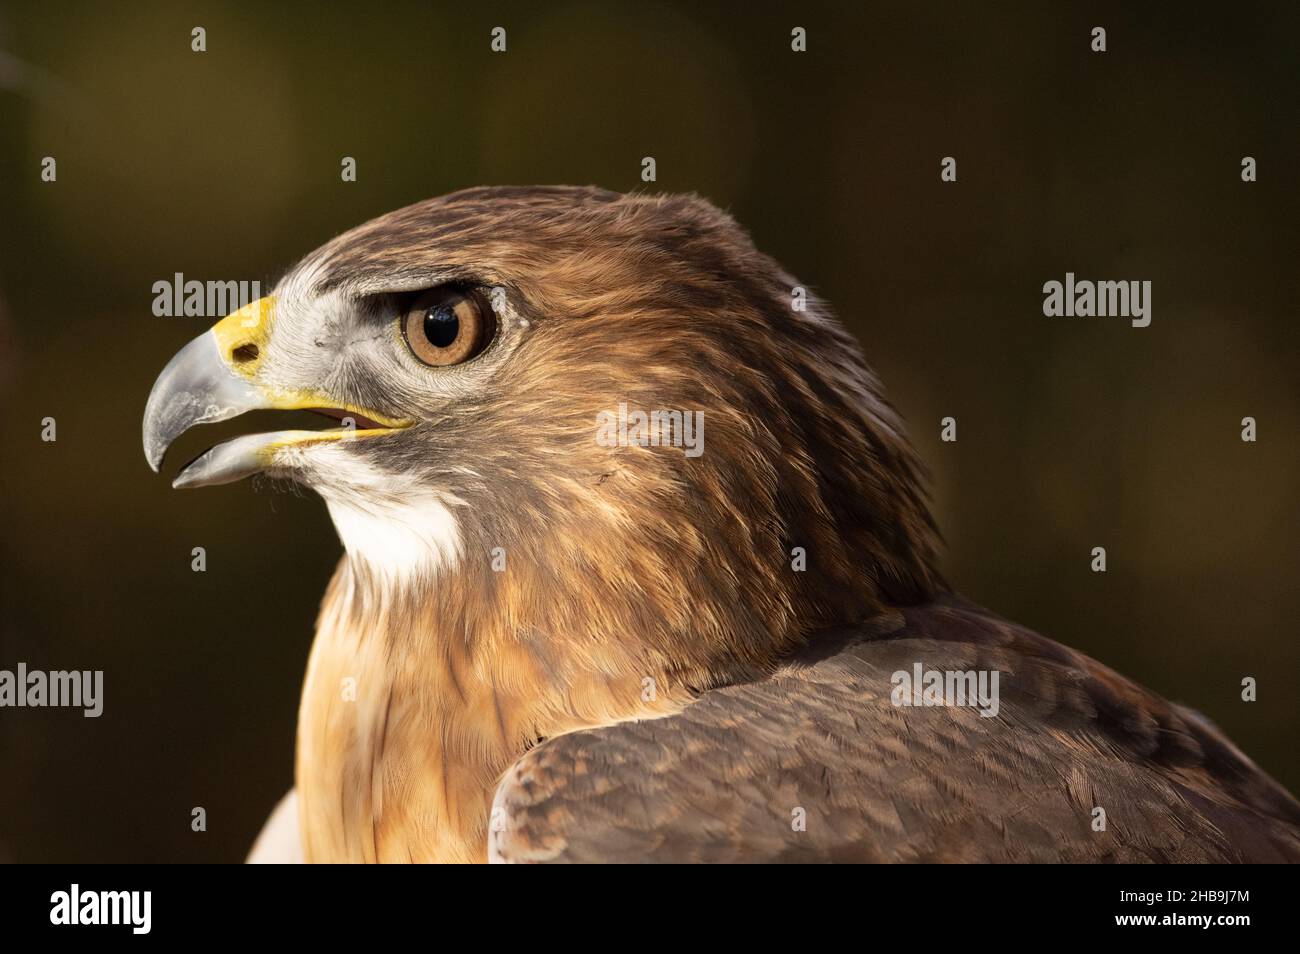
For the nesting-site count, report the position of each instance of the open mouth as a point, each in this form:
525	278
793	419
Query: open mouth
214	378
359	421
251	454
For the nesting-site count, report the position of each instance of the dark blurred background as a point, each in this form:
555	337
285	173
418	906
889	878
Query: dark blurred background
1072	433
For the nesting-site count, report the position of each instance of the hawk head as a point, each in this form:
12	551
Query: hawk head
491	352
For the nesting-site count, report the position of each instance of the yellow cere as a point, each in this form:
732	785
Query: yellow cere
250	327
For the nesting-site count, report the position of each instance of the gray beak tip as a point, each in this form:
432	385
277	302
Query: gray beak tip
196	387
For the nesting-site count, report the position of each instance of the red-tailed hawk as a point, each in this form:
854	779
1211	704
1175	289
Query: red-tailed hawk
639	567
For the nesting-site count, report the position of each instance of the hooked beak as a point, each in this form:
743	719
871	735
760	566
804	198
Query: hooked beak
214	378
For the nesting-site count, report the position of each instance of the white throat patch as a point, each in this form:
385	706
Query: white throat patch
397	539
396	530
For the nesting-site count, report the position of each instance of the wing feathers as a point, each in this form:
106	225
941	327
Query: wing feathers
816	763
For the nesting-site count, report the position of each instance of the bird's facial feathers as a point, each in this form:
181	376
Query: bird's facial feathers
477	341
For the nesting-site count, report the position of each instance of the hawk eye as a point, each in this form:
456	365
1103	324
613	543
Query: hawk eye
448	326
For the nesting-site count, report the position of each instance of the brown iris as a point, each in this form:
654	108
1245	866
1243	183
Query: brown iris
447	326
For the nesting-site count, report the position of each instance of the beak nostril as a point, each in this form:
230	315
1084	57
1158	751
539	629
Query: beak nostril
245	353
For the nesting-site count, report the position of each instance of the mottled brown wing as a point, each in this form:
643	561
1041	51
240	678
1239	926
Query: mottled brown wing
724	779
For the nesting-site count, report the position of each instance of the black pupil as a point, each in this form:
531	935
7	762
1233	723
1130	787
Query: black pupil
441	326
